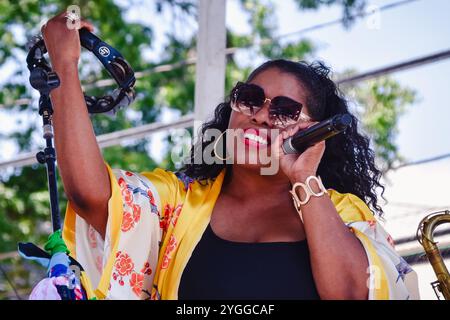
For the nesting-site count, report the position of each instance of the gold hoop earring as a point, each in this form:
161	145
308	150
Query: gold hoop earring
215	146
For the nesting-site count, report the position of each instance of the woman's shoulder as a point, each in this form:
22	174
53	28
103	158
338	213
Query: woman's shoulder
178	179
170	186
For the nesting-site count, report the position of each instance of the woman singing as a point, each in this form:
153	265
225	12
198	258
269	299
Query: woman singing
224	230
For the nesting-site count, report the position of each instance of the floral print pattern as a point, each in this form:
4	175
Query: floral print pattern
133	190
403	269
99	263
169	249
170	216
124	268
186	180
372	224
142	259
146	269
131	219
152	202
124	264
390	241
137	283
92	237
165	218
127	221
127	195
176	214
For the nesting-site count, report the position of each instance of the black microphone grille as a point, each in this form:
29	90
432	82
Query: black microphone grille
342	121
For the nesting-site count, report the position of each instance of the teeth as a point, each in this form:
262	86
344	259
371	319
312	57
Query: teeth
256	138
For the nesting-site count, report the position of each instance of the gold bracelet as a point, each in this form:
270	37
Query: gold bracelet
308	191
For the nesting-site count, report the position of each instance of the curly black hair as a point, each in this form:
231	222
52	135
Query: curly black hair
348	164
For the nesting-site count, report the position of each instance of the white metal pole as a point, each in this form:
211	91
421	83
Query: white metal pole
210	66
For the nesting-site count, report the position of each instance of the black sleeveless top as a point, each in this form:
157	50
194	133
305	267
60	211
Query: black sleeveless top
222	269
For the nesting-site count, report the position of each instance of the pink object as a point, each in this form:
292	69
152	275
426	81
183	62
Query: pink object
46	289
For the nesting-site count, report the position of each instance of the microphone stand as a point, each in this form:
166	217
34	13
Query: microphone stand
60	264
45	82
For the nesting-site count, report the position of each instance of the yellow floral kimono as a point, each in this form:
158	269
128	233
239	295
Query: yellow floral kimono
157	218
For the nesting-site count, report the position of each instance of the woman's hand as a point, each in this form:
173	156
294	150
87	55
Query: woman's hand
298	167
62	42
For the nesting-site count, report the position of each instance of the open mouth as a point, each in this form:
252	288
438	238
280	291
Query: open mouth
256	138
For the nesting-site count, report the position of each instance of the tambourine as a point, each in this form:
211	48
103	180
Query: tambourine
41	73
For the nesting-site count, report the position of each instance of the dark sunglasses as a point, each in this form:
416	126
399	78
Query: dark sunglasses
249	98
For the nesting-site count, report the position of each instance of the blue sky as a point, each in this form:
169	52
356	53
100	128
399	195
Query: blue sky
409	31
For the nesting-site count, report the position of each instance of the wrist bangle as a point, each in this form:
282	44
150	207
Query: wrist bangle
308	191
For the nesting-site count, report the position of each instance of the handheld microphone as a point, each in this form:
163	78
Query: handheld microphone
316	133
